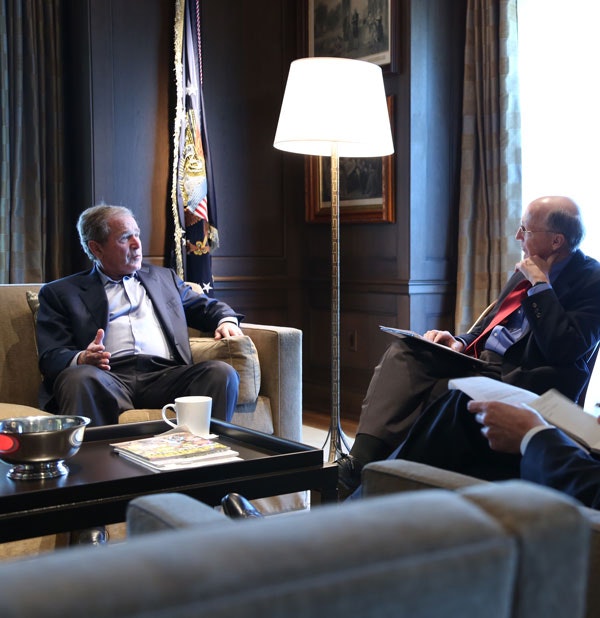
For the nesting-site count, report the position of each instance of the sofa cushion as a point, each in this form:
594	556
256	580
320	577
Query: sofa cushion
240	353
14	410
33	302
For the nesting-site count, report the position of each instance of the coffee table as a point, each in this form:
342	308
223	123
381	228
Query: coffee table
100	483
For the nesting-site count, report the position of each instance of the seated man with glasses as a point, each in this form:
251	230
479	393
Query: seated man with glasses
543	328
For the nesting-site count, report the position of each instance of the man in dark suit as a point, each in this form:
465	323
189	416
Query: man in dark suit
544	326
549	457
115	337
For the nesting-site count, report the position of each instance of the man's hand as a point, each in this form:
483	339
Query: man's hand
227	329
535	269
443	337
95	354
504	425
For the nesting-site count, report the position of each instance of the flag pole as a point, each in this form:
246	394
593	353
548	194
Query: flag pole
178	231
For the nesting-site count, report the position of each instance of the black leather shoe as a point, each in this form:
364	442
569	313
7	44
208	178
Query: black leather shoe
238	507
349	469
89	536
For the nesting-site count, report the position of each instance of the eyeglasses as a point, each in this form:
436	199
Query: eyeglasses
523	231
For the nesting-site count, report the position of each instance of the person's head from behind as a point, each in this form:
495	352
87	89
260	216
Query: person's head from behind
550	225
110	236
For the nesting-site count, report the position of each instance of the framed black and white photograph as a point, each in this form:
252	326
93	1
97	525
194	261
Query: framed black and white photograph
366	187
357	29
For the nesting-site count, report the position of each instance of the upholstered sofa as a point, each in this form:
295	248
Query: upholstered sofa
268	359
399	476
269	363
499	551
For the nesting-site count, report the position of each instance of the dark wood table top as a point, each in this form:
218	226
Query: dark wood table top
100	483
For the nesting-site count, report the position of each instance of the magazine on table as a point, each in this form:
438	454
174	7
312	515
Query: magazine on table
401	333
553	406
175	449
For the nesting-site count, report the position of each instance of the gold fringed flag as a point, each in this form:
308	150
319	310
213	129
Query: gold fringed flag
192	192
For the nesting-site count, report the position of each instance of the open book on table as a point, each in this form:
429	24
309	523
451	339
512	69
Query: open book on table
401	333
553	406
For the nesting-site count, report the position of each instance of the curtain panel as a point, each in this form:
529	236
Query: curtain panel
32	140
490	182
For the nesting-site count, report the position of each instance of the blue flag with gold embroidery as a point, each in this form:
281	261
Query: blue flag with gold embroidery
194	207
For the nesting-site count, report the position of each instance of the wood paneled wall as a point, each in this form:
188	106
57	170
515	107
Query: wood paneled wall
272	265
120	56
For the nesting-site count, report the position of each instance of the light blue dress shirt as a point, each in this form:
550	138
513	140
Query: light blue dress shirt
133	326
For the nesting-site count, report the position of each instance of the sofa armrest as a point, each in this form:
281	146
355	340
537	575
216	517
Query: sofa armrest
395	475
167	511
280	354
593	592
554	539
400	475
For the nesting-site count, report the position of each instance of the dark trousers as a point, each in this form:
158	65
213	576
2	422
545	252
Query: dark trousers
447	436
411	375
142	382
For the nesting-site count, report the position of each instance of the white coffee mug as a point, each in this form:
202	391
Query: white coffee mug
193	412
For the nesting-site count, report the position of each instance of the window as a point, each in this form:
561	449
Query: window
559	57
559	54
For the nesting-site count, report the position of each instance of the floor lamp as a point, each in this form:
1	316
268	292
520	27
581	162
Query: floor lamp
334	107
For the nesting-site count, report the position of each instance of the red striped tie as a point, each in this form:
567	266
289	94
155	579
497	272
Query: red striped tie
511	303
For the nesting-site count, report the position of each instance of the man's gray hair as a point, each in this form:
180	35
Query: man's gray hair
568	224
93	224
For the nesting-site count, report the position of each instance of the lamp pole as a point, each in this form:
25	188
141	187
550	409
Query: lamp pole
335	436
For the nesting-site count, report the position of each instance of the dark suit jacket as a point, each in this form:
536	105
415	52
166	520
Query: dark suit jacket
74	308
553	459
565	328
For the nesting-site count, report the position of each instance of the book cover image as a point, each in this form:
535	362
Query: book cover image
171	445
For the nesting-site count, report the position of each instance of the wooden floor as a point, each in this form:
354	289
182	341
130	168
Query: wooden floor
321	421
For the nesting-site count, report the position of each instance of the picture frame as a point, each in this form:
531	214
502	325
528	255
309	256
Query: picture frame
358	29
367	187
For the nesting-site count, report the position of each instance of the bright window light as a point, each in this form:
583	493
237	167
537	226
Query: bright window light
559	52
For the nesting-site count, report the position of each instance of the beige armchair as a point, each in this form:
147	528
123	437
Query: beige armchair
269	363
268	359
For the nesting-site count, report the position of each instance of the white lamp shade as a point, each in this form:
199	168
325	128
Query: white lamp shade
334	101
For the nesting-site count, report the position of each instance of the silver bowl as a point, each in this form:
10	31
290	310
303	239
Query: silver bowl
38	445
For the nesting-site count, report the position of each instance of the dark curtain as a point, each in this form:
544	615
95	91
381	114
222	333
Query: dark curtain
31	111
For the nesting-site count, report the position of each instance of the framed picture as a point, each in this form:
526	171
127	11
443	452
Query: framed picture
357	29
366	187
